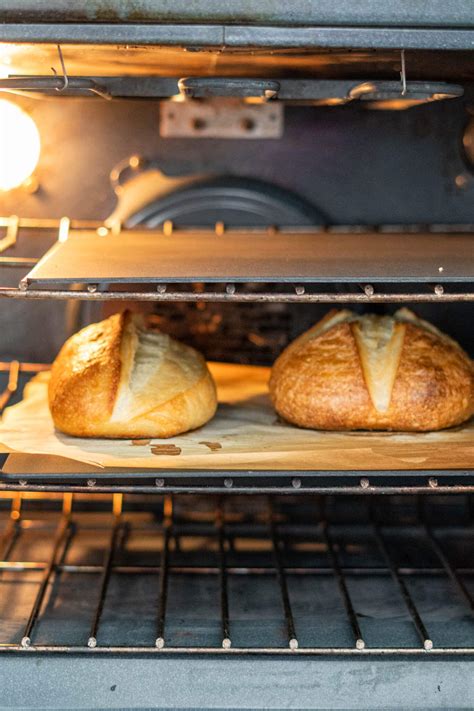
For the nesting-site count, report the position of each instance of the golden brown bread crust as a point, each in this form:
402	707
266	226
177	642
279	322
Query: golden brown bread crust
325	379
115	379
85	377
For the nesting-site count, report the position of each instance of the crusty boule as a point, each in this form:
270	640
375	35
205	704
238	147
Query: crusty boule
118	379
353	372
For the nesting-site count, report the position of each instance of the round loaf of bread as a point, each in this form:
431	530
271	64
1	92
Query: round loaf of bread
370	372
118	379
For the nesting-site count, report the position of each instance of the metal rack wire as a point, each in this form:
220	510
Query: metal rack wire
226	580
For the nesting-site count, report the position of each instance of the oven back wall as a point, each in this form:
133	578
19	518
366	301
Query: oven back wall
355	165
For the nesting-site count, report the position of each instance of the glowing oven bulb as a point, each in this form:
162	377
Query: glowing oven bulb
19	145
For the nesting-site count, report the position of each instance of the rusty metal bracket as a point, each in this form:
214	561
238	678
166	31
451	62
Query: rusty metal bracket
12	233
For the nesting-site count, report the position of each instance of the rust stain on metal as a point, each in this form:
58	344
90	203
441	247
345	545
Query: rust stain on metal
213	446
166	449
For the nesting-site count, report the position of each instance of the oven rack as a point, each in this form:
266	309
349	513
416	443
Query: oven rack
378	588
91	480
215	266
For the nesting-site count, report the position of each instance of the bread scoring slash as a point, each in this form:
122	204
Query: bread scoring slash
352	372
118	379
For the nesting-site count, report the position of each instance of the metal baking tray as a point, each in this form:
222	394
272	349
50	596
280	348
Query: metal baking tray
141	256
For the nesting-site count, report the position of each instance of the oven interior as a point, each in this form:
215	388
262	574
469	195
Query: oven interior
218	576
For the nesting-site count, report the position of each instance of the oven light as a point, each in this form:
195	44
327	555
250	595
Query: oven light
19	145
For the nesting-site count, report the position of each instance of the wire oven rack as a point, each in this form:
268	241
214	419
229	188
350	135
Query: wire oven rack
221	577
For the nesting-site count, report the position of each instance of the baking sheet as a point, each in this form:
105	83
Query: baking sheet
140	256
245	434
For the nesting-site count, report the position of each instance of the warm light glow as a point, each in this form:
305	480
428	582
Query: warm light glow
19	145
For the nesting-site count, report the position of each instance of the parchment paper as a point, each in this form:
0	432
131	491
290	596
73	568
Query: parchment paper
245	434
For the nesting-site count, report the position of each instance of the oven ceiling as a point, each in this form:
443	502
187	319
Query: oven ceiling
214	30
354	40
373	13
